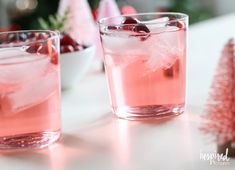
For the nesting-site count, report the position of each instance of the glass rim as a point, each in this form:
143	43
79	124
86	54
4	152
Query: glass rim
53	35
101	22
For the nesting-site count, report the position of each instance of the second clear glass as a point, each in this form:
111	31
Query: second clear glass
145	59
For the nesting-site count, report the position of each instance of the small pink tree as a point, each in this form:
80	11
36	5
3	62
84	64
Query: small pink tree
220	108
108	8
80	23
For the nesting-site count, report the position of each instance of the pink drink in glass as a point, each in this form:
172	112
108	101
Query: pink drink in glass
145	69
29	92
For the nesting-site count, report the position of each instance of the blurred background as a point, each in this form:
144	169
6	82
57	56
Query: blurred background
24	14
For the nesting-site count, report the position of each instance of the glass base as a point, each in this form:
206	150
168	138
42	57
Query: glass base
28	141
148	112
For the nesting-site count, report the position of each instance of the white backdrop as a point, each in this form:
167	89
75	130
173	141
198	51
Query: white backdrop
219	7
148	5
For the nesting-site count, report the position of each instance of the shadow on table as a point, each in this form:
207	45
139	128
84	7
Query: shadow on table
55	157
104	136
72	146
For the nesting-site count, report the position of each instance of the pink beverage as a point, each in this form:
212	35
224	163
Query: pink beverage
145	64
29	89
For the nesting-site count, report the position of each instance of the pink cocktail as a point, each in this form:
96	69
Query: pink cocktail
144	58
29	89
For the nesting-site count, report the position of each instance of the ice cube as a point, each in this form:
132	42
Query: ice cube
162	47
9	52
116	40
165	47
17	66
122	50
30	94
156	23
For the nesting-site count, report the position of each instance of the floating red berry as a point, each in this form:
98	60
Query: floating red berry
143	31
129	23
174	22
31	35
33	48
130	20
141	28
40	37
49	50
112	27
179	24
44	49
12	37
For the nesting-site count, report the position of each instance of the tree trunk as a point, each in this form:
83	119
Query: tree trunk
221	148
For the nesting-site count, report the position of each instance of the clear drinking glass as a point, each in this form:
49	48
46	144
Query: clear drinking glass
29	89
144	57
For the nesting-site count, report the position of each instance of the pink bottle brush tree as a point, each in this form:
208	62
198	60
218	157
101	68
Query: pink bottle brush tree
108	8
80	23
220	107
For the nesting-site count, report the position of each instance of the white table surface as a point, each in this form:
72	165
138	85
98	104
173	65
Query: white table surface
93	139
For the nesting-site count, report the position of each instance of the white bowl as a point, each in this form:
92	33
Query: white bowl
74	65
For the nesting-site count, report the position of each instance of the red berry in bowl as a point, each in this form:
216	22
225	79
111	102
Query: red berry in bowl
66	40
68	44
66	48
79	47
